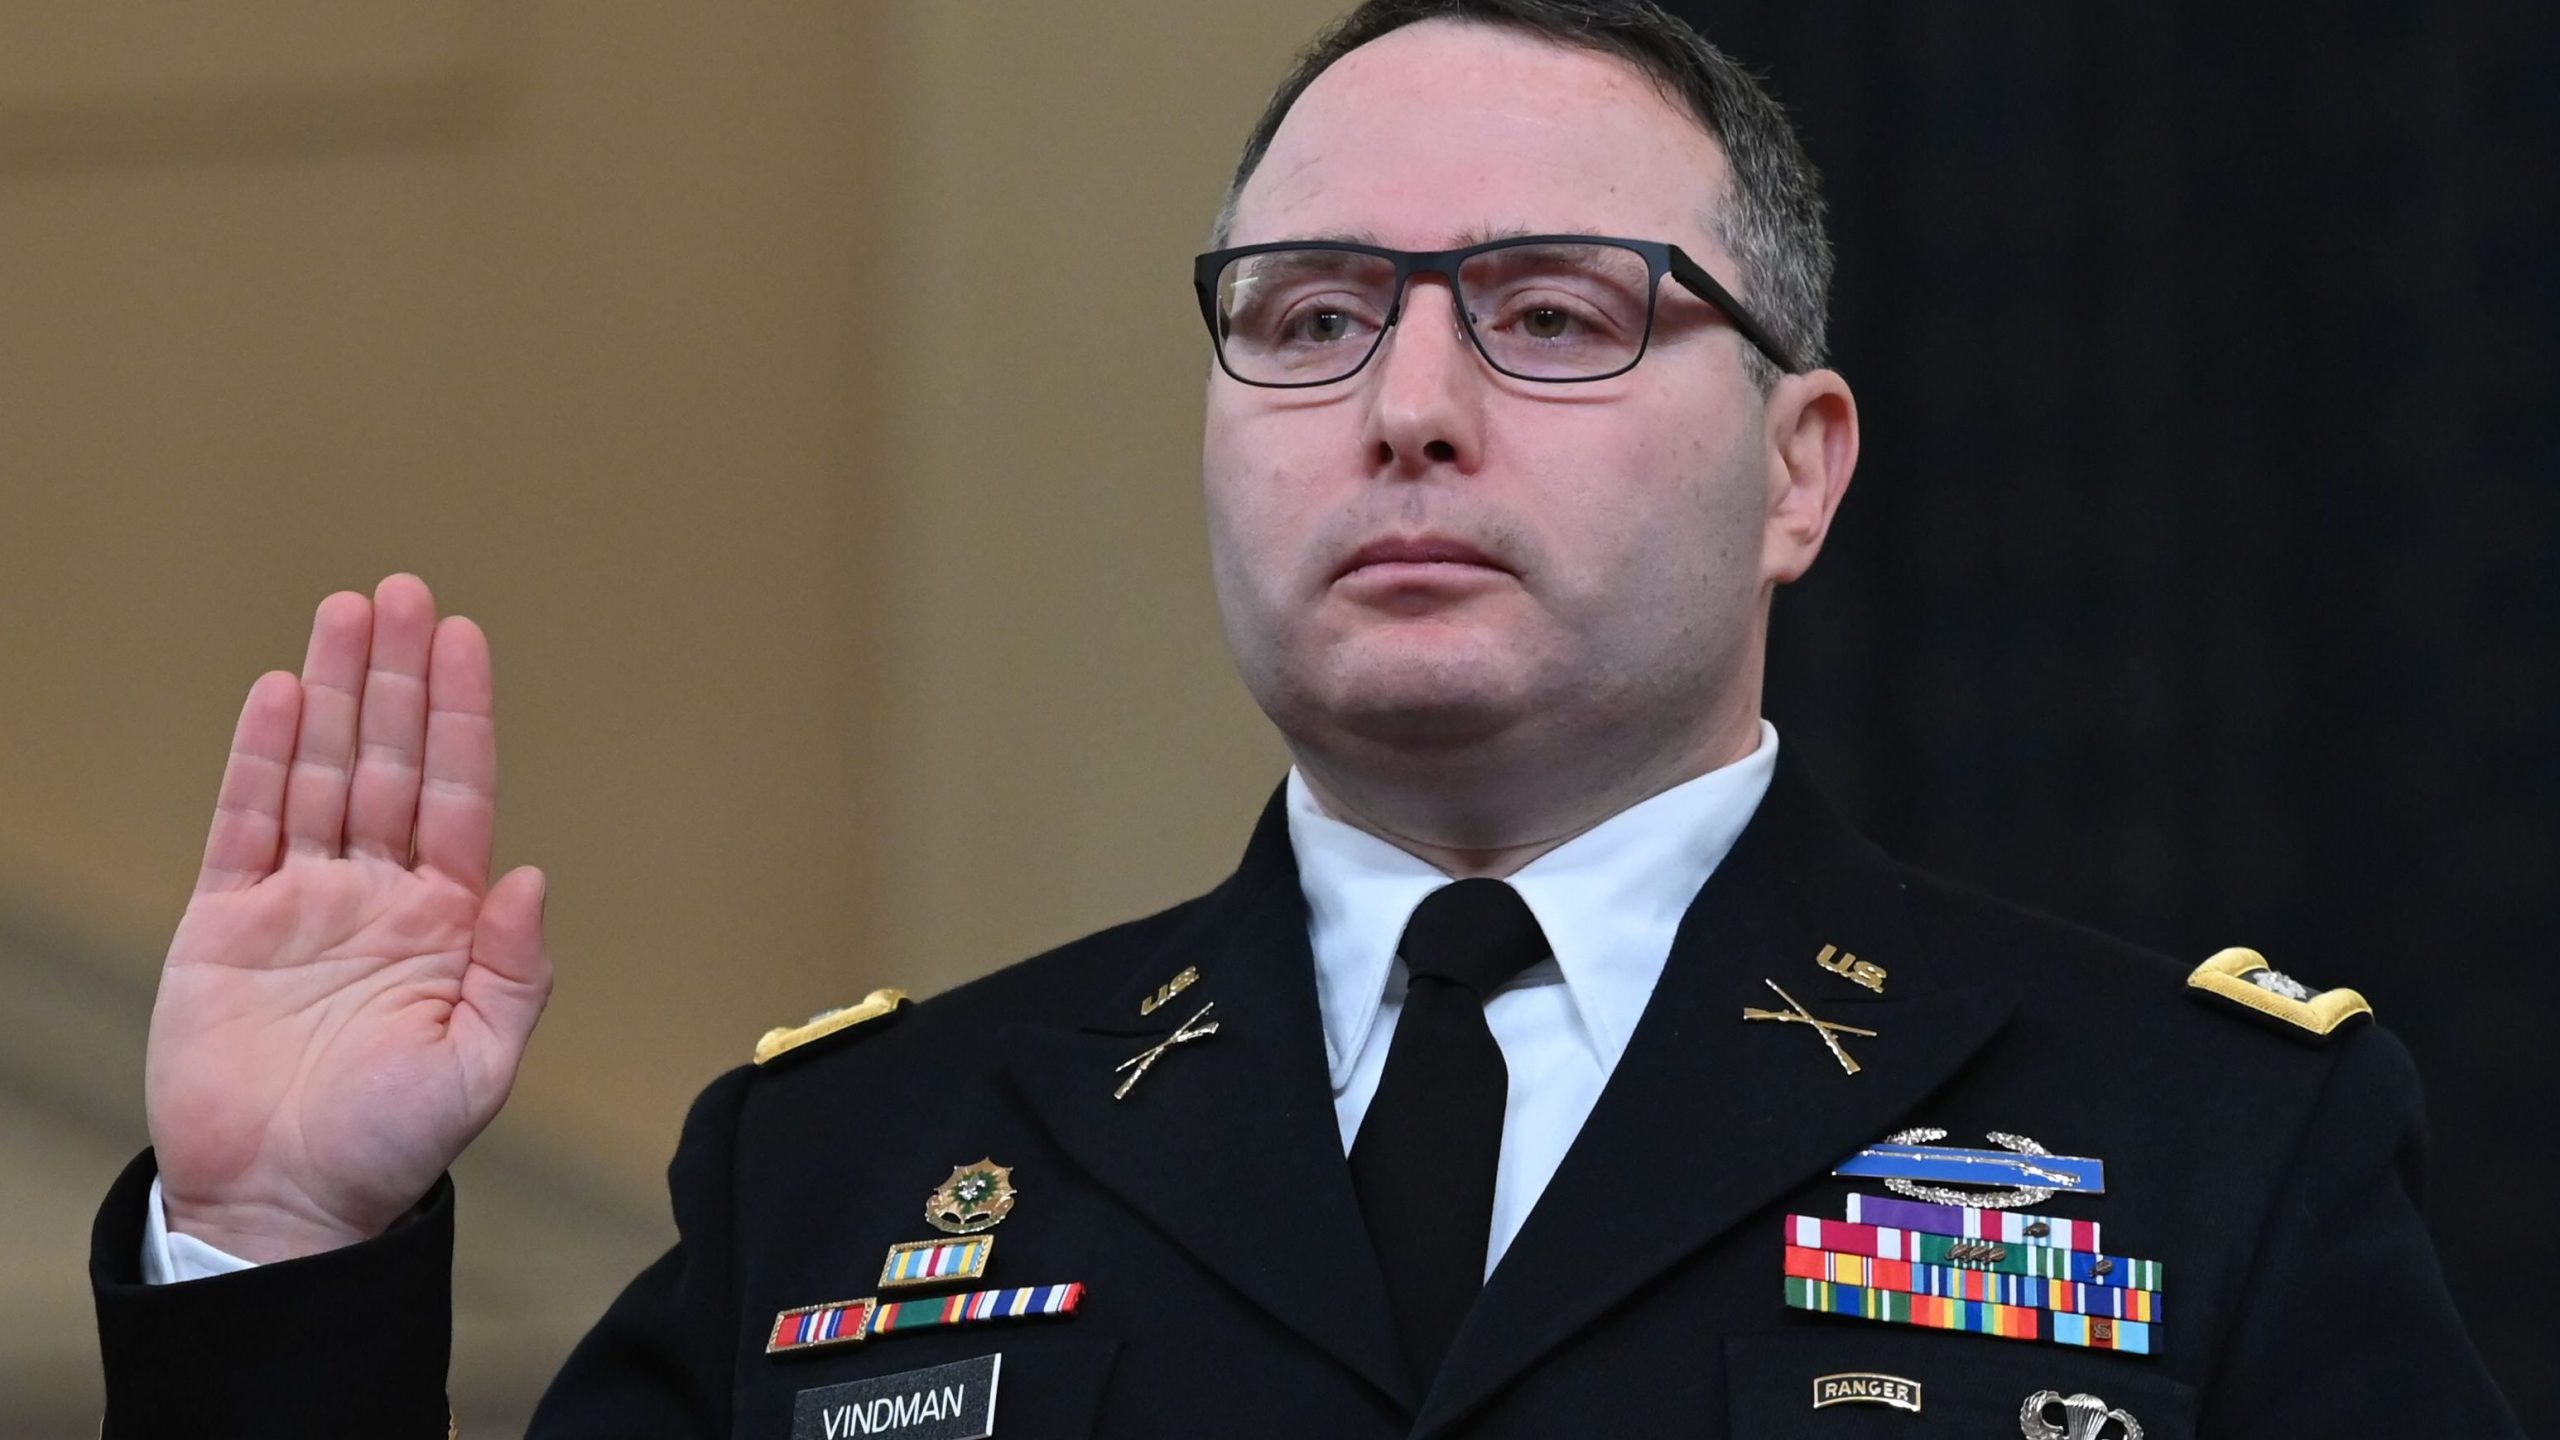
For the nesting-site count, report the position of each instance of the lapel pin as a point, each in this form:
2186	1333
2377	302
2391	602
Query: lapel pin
1908	1157
976	1197
1183	1034
1189	977
932	1262
2083	1417
1799	1015
1849	967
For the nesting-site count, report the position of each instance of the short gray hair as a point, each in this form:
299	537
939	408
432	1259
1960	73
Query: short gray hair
1769	216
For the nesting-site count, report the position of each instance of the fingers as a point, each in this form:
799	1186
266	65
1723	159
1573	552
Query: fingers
458	796
315	795
248	814
382	796
506	987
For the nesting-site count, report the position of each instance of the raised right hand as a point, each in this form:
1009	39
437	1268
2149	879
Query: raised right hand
348	997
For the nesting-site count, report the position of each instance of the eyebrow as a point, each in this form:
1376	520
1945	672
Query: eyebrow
1472	235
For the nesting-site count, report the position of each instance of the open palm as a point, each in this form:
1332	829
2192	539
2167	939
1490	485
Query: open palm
348	998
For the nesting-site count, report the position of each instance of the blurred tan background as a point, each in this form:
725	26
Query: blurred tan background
804	394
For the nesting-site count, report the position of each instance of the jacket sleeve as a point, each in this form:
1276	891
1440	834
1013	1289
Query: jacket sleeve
2347	1328
660	1364
357	1341
351	1342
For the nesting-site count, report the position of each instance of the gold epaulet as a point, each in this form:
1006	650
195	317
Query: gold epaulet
783	1039
2244	978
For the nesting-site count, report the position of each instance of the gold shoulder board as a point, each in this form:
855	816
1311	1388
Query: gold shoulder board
783	1039
2244	978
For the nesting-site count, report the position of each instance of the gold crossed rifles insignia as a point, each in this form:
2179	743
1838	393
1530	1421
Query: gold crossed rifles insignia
1795	1013
1144	1061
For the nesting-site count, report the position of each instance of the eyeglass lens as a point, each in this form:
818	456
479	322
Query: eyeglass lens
1307	316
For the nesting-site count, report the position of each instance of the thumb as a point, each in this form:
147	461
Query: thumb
507	984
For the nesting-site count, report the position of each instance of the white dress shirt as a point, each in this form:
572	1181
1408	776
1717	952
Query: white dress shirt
1609	900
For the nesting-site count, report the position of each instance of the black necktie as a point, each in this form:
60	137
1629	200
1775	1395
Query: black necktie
1424	1161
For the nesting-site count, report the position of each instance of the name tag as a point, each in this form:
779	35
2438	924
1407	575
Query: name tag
940	1402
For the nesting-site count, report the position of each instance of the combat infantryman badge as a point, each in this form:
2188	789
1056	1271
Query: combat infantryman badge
976	1197
1908	1156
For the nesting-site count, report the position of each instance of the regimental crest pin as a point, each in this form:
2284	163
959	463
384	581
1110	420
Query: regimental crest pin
977	1197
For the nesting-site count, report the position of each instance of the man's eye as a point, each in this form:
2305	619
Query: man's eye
1545	323
1324	327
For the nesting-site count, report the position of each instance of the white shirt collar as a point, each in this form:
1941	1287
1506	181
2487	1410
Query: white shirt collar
1610	900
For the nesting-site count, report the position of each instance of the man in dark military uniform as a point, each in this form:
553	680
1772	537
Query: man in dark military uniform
1502	1089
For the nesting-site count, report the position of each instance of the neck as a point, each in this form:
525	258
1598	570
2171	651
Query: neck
1472	814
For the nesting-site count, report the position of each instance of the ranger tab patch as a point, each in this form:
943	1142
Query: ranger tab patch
783	1039
2244	979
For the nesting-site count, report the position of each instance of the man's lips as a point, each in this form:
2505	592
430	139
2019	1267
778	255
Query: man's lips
1417	550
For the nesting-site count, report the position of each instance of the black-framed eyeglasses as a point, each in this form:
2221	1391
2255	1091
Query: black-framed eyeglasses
1562	309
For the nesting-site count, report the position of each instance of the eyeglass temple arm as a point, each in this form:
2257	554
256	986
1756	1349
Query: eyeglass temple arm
1698	282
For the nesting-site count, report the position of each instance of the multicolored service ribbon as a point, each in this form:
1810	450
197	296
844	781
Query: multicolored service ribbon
838	1322
2009	1227
930	1262
2035	1257
1959	1283
970	1307
1982	1317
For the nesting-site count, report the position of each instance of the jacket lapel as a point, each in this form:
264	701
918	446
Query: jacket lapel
1719	1116
1230	1145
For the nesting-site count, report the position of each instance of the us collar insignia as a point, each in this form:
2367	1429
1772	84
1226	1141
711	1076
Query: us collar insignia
1907	1158
2243	978
977	1197
1189	977
1991	1272
1849	967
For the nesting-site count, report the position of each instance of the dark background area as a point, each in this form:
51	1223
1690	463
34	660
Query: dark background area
2196	582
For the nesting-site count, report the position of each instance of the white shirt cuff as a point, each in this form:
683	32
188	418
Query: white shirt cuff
169	1257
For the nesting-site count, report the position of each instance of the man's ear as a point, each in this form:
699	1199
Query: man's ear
1813	445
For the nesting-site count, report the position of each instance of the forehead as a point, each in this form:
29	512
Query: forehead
1444	130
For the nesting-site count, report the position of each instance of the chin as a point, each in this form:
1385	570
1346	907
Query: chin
1420	704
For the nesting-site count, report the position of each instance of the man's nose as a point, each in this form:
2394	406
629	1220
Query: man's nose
1427	392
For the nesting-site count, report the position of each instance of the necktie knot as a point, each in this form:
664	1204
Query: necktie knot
1475	933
